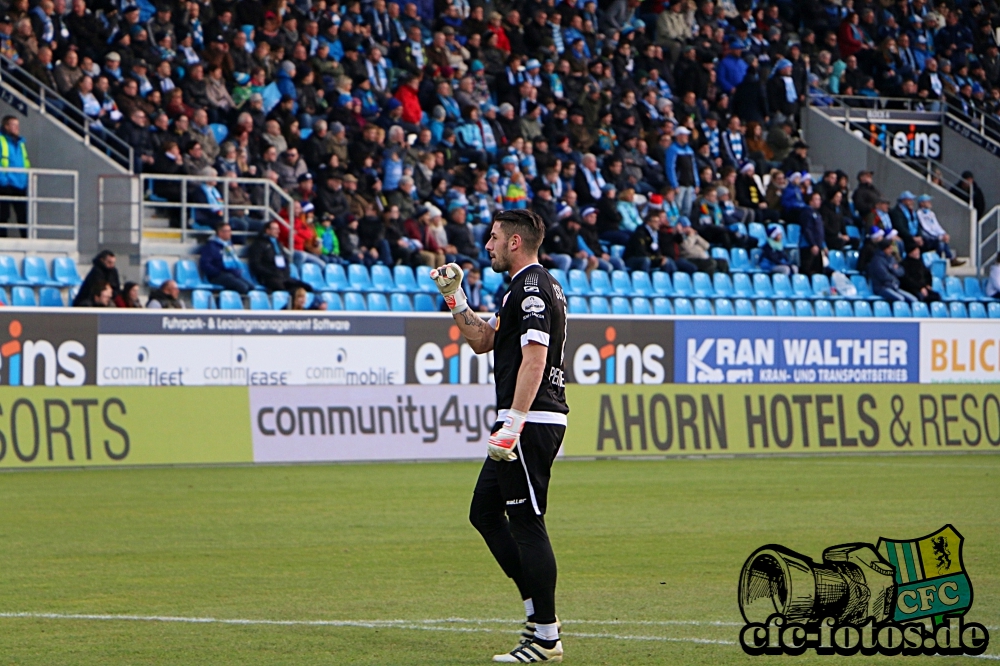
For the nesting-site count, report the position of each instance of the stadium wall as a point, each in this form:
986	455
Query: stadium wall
143	388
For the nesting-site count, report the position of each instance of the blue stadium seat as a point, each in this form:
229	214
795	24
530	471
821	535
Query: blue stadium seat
939	310
837	260
620	305
201	299
720	253
578	305
953	290
491	279
803	309
755	255
579	285
864	289
662	306
621	284
920	310
703	285
742	286
764	308
354	301
762	286
424	303
600	283
332	300
617	251
312	275
801	287
843	309
377	302
703	307
957	310
4	299
682	284
640	306
641	286
723	285
724	307
406	282
51	297
24	297
245	272
738	228
881	309
599	305
382	279
560	275
157	272
976	310
424	281
739	261
782	286
9	274
823	308
993	309
939	268
851	256
259	300
400	303
757	230
682	306
901	310
783	308
744	308
821	287
793	234
310	299
230	300
974	290
853	232
662	284
359	278
862	309
937	284
280	299
36	273
187	276
65	273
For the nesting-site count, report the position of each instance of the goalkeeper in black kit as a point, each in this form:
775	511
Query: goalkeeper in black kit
528	339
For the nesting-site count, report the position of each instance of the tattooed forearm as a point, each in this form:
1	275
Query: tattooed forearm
477	332
470	318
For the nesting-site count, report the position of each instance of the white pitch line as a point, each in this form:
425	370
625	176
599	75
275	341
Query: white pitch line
421	625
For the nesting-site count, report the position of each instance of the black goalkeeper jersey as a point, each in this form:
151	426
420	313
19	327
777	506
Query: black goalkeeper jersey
532	310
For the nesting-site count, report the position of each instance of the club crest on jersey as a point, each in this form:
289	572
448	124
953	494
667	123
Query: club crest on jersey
533	304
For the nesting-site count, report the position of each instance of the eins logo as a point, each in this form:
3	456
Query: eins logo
618	364
61	366
455	363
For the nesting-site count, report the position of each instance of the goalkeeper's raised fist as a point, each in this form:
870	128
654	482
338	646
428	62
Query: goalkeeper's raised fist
448	279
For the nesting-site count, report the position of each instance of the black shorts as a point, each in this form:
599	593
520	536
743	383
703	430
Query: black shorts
523	484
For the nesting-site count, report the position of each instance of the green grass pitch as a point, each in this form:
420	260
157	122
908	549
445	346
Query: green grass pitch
649	554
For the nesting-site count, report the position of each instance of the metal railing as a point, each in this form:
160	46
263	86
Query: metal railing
43	203
52	104
988	243
173	202
829	100
983	123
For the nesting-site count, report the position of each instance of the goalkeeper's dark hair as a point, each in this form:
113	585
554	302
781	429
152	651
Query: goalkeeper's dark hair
526	224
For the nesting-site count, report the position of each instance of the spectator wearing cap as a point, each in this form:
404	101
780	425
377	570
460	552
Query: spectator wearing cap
732	68
219	264
917	278
884	273
904	218
269	261
681	169
330	196
644	251
774	256
590	243
304	191
935	238
798	159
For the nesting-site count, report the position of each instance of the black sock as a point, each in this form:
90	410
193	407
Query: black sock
548	645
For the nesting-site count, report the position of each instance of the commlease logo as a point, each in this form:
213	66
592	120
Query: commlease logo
618	363
62	365
444	359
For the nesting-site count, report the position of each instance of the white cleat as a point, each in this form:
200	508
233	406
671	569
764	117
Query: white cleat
529	652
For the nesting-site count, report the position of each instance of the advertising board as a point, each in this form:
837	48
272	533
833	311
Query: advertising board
966	353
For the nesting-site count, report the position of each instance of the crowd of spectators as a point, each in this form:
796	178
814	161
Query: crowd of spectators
399	128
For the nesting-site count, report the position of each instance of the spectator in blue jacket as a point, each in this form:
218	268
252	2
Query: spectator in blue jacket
884	272
774	256
219	263
813	236
732	68
682	170
13	154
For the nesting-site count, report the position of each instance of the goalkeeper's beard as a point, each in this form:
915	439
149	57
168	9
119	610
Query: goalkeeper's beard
500	260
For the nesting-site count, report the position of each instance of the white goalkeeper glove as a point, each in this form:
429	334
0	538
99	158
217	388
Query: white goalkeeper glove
505	440
448	279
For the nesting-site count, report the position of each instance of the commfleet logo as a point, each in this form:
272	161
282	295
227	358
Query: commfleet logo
452	362
62	365
618	363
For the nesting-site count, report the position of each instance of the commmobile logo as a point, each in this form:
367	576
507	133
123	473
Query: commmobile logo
61	366
455	363
616	364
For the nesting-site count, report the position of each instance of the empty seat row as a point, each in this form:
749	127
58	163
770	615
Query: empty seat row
203	299
34	272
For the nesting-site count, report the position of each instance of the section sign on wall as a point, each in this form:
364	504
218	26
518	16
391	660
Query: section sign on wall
762	351
172	350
